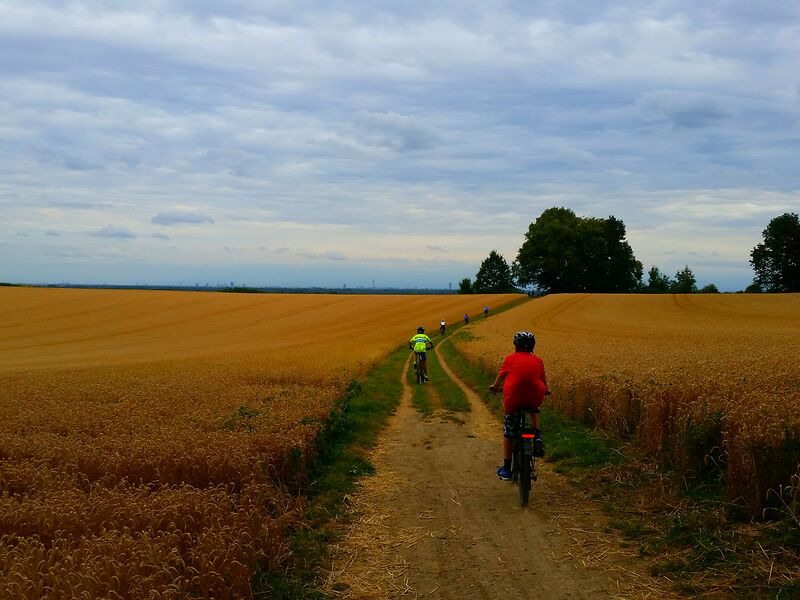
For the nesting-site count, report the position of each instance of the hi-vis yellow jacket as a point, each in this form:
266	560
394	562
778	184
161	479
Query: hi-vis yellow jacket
420	342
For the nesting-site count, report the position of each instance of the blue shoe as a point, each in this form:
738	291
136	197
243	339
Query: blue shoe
504	474
538	447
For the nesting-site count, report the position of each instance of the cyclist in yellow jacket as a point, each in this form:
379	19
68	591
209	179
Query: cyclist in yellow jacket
421	343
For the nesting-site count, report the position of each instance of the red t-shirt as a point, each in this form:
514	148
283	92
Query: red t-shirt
525	384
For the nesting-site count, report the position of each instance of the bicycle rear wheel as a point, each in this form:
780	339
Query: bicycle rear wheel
418	369
524	471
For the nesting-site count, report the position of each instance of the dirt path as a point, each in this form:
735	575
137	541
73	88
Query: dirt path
435	522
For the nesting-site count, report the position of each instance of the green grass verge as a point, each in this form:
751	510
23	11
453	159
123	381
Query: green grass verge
342	450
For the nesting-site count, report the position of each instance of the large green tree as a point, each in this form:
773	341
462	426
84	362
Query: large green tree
776	260
494	276
566	253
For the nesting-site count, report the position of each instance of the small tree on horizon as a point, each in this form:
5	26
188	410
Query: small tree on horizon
657	282
708	289
465	286
494	276
684	282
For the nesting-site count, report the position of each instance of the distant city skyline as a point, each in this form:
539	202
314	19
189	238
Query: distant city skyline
317	144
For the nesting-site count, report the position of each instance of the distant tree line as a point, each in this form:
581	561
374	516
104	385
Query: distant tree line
684	282
563	252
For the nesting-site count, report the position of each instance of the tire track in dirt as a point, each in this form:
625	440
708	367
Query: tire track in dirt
435	522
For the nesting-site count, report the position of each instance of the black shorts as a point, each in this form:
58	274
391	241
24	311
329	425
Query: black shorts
510	421
422	357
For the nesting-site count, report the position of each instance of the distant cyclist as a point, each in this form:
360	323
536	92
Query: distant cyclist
466	319
525	386
420	344
485	311
442	327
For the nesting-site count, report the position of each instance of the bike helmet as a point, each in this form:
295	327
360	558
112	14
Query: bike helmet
420	329
524	341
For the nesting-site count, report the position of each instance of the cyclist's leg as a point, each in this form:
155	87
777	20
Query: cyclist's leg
423	359
538	443
509	427
504	472
535	420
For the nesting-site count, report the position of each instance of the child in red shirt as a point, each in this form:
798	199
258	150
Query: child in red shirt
525	386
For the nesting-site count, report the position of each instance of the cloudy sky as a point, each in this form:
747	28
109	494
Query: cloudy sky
341	143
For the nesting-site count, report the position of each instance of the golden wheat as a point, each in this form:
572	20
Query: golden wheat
152	444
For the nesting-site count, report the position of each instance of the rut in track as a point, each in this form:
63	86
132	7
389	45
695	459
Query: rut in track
435	522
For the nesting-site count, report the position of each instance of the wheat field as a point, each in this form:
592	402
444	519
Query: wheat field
153	443
703	382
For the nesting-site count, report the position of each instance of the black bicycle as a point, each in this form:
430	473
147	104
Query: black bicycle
419	373
523	457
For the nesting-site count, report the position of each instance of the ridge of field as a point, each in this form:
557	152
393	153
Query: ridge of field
709	384
155	441
79	328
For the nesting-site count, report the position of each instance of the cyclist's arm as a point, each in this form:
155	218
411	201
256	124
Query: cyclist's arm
498	381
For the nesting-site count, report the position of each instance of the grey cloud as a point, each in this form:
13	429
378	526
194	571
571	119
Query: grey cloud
75	163
160	236
52	233
176	217
394	131
114	231
83	205
329	255
684	110
434	248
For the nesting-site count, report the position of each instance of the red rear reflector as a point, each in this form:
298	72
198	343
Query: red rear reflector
528	436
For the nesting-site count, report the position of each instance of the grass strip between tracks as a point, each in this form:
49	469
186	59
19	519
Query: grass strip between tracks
440	393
